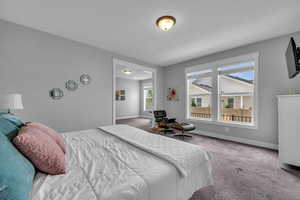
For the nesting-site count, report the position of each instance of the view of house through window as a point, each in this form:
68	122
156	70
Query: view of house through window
236	88
200	86
235	92
196	101
148	98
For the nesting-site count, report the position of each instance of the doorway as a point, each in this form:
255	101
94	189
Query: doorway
134	93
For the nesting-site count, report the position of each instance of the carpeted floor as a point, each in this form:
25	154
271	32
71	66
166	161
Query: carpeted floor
241	172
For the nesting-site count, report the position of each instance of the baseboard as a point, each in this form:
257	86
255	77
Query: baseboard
146	116
240	140
134	116
128	117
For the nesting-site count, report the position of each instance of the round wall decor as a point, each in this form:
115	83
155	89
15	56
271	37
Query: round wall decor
85	79
71	85
56	93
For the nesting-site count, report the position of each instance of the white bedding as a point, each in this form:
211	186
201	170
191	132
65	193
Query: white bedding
184	156
101	166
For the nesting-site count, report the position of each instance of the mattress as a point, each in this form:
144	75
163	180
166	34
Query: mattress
103	167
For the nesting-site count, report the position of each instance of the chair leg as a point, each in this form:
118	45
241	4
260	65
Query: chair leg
182	134
164	132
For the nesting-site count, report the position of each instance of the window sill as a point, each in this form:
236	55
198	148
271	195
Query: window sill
224	123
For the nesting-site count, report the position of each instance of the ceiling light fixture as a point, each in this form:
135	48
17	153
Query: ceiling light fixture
127	71
165	23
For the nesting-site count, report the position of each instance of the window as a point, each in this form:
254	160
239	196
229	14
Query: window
148	98
224	91
196	101
236	89
200	86
230	102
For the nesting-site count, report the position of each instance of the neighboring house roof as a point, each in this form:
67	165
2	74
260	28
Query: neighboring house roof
240	79
203	86
231	84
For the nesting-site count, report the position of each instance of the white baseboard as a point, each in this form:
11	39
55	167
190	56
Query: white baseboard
128	117
240	140
134	116
146	116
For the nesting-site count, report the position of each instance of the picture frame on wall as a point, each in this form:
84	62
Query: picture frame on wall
122	92
120	95
172	94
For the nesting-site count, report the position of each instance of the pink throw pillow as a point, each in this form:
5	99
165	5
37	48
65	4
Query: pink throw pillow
52	133
41	149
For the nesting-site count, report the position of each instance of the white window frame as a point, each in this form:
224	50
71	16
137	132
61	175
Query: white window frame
147	87
215	100
208	73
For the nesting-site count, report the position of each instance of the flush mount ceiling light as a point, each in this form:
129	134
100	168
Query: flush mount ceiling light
165	23
127	71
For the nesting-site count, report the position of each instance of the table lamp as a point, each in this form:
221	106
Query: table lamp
11	102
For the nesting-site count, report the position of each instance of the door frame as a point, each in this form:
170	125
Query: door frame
117	61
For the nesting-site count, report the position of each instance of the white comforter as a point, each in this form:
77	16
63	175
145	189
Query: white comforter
185	157
102	166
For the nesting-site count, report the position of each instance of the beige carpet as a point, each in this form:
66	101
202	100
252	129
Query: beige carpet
241	172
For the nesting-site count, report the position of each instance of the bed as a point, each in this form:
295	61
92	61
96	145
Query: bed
125	163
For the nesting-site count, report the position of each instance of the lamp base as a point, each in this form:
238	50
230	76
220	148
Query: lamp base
9	112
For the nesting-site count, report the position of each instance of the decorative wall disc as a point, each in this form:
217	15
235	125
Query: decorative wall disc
85	79
56	93
71	85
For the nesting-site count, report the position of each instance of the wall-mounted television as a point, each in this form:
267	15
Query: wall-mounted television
293	59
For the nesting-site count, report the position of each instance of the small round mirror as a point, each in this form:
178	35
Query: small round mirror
85	79
56	93
71	85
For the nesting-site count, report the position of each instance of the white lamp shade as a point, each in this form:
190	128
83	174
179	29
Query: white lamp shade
11	101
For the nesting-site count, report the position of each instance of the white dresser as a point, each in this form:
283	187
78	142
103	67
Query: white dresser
289	129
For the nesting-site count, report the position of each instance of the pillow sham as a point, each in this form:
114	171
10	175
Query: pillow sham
16	174
50	132
41	149
8	129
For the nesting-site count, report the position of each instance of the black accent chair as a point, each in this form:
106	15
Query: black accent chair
162	121
170	124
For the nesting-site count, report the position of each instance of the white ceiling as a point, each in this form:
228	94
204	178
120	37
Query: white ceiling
127	27
138	73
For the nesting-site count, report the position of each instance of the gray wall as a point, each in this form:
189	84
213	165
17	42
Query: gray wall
273	80
131	105
142	112
160	85
32	62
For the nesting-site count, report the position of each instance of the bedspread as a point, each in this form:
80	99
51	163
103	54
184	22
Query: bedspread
101	166
184	156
